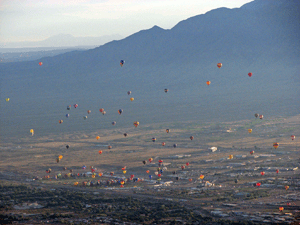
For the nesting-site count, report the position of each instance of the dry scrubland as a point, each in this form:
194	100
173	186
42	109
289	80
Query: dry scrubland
231	179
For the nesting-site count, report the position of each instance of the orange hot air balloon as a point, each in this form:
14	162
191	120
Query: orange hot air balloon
275	145
98	137
100	152
60	157
250	131
100	174
293	137
167	130
208	82
192	138
136	123
124	171
219	65
122	182
230	157
281	209
40	63
286	187
201	177
124	168
250	74
262	173
163	144
132	99
148	171
190	180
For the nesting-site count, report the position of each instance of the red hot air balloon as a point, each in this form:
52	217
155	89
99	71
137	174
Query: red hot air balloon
208	82
40	63
293	137
187	164
262	173
258	184
219	65
250	74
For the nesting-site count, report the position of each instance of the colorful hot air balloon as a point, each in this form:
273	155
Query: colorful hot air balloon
261	117
75	106
147	171
100	152
124	171
219	65
208	82
40	63
167	130
281	209
192	138
132	99
101	110
89	111
150	160
286	187
128	92
32	132
166	90
262	173
293	137
256	115
252	152
98	137
114	123
230	157
109	147
7	99
153	139
122	62
163	143
69	107
258	184
120	111
250	131
277	171
136	123
275	145
250	74
60	156
60	121
67	115
201	177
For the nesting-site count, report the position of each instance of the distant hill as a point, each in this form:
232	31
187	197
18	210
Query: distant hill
261	37
61	40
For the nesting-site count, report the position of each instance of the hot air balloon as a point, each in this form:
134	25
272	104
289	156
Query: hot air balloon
167	130
262	173
219	65
250	131
256	115
251	152
281	209
100	174
144	162
83	167
120	111
75	106
89	111
192	138
175	145
60	121
163	143
277	171
40	63
136	123
125	134
208	82
60	156
182	167
132	99
230	157
187	163
147	171
150	177
132	176
112	173
85	117
98	137
122	62
32	132
153	139
103	113
100	152
128	92
67	115
286	187
67	146
190	179
261	117
150	160
258	184
7	99
69	107
250	74
109	147
124	168
166	90
124	171
160	161
293	137
113	123
201	177
101	110
275	145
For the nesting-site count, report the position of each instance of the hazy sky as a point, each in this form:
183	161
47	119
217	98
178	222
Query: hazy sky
29	20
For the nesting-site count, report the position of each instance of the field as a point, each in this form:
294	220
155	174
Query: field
226	190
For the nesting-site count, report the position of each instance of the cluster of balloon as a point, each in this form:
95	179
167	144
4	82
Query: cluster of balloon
276	145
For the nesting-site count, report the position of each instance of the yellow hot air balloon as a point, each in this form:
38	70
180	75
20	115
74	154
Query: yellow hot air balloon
286	187
131	99
201	177
275	145
75	183
100	174
250	131
230	157
7	99
124	171
32	132
93	176
60	156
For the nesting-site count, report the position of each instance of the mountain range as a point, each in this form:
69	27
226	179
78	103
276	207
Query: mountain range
261	37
